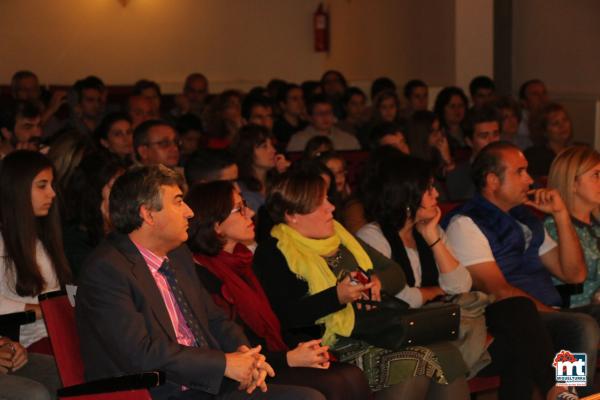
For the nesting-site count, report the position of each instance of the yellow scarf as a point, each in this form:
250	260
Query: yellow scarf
304	257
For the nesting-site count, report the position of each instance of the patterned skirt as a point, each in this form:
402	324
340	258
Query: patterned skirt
383	368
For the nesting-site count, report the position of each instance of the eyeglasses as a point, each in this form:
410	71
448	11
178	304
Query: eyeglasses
242	209
165	143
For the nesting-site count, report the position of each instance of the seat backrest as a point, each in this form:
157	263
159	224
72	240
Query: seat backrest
59	316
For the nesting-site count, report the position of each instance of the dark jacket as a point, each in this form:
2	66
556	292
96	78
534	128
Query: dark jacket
125	327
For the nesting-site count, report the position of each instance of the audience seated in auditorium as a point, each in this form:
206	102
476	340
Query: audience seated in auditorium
139	109
575	173
26	375
532	96
194	98
258	110
381	84
292	118
389	134
222	223
207	165
551	131
87	101
66	152
257	161
509	253
223	118
156	142
191	135
25	86
428	142
355	114
86	218
297	267
482	90
31	241
140	304
510	115
151	91
416	94
334	86
21	128
115	134
481	127
450	107
322	122
402	206
316	146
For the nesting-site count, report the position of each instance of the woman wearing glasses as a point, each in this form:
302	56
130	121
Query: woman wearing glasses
222	222
575	173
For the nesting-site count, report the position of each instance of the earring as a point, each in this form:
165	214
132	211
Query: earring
407	210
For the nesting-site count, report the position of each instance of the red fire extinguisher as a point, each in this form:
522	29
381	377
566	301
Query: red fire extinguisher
321	26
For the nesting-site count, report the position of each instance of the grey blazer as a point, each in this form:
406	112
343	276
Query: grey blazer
124	326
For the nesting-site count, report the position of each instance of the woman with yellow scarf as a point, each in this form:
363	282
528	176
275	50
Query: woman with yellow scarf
307	268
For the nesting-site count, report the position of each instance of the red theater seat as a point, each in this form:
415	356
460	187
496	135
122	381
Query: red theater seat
59	316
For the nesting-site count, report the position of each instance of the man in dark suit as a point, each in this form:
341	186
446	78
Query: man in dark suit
140	305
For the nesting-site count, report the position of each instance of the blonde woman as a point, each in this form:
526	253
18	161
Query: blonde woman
575	173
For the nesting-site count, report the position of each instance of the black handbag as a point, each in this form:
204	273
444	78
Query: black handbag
391	324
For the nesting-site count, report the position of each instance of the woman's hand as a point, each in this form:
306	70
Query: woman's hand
431	292
349	290
310	354
428	228
376	289
281	163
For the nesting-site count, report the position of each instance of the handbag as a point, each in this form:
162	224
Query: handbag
392	325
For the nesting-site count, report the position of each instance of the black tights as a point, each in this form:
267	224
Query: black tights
522	348
340	381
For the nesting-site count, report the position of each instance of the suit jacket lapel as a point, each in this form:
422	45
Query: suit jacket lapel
142	274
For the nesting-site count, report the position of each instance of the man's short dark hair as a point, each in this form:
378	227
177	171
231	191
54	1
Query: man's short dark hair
188	122
383	129
411	85
479	116
525	85
144	84
380	84
352	91
140	134
254	100
481	82
315	100
283	94
489	161
136	187
21	109
91	82
205	165
19	75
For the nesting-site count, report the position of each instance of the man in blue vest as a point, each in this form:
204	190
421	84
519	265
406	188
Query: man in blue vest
508	252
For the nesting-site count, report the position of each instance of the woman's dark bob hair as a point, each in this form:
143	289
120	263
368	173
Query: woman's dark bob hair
211	203
392	189
295	192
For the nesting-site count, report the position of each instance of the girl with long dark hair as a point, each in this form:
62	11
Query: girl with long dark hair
31	240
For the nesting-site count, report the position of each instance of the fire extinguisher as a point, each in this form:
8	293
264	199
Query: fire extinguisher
321	26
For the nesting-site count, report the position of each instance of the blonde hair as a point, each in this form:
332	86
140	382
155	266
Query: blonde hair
567	166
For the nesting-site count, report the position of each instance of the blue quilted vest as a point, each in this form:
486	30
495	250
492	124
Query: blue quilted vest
521	267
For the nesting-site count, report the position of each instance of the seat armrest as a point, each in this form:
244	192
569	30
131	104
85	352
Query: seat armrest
144	380
10	323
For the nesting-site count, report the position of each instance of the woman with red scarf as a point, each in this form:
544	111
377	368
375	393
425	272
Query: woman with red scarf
221	225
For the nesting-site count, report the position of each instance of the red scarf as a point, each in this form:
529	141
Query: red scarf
243	291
